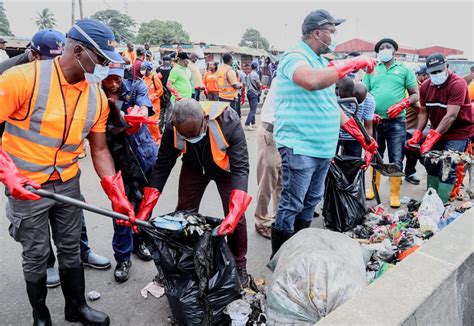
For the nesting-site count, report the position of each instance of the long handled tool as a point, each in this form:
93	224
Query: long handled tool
386	169
83	205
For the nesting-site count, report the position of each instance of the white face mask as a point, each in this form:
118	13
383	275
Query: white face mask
385	55
196	139
439	78
99	74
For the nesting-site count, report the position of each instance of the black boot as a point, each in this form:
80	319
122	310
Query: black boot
37	292
300	225
77	310
278	238
243	275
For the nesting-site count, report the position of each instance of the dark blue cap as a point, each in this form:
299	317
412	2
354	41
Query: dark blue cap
48	43
146	65
98	35
421	70
117	69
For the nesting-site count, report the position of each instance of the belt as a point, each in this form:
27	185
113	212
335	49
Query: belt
267	126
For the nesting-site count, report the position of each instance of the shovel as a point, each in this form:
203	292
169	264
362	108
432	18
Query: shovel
386	169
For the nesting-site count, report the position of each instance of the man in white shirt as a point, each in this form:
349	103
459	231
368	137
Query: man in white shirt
3	54
268	169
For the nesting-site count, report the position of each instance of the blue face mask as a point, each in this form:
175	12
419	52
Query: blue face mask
439	78
332	46
385	55
99	74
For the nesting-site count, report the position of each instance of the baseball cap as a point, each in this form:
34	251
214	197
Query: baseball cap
48	43
421	70
434	62
318	18
116	69
183	55
386	40
98	35
2	40
146	65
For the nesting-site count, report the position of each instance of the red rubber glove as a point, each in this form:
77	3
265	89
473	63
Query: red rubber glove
176	94
345	67
115	190
431	139
377	119
412	143
238	203
14	181
395	109
242	100
353	129
150	198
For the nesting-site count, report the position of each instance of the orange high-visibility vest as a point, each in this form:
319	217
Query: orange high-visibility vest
42	143
226	91
218	142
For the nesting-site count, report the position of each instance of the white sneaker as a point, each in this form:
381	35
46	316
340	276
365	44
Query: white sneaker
248	128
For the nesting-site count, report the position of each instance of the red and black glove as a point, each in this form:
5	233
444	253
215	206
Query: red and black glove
431	139
238	203
150	198
345	67
353	129
14	181
115	190
395	109
414	141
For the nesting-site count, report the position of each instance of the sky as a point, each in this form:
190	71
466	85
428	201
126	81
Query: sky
416	23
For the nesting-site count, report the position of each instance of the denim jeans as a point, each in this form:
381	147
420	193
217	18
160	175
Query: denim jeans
233	104
436	169
391	134
302	182
253	101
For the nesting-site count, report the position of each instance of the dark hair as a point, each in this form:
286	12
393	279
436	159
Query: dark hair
140	51
227	58
353	54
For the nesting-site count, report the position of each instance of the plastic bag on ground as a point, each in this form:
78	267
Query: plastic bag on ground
313	273
430	211
344	197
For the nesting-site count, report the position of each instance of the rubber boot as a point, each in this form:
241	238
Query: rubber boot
37	292
432	182
395	183
278	239
370	194
77	310
300	225
444	191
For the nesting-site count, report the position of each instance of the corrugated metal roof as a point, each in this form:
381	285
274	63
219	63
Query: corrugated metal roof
16	42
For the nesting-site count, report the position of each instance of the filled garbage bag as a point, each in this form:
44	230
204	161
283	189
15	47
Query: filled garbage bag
344	197
314	272
196	269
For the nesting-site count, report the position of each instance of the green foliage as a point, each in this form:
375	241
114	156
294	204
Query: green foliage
121	24
252	38
4	24
45	19
162	32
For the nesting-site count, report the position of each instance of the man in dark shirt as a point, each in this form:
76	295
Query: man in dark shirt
138	63
164	72
444	100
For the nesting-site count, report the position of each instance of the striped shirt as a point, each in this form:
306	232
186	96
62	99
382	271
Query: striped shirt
306	121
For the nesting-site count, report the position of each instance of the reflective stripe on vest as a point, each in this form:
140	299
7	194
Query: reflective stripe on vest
218	142
64	156
226	90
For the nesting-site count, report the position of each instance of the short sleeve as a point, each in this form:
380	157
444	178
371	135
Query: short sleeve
15	90
290	63
369	107
423	92
410	80
101	121
457	94
232	77
173	76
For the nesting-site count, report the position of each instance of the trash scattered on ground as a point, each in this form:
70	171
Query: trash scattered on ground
447	158
238	311
93	295
404	200
154	289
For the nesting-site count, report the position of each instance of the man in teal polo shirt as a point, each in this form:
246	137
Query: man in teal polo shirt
307	122
389	85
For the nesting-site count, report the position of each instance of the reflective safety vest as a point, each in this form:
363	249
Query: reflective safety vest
42	142
218	142
226	91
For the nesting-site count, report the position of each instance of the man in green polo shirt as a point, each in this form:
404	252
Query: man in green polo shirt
179	80
389	85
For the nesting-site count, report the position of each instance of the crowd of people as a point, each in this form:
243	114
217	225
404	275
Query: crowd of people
139	118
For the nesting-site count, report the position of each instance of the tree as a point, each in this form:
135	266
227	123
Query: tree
4	24
45	19
254	39
162	32
121	24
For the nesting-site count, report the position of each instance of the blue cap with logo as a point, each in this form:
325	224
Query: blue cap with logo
98	35
117	69
48	43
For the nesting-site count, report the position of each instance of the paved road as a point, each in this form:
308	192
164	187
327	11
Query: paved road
123	302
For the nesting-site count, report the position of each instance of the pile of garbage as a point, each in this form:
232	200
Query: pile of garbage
447	158
388	238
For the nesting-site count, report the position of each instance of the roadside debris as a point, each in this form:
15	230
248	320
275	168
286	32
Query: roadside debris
93	295
154	288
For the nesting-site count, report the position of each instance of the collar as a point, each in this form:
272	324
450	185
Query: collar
306	48
82	85
126	89
395	63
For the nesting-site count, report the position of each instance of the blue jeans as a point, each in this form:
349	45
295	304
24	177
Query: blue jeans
253	101
122	243
302	182
391	134
436	169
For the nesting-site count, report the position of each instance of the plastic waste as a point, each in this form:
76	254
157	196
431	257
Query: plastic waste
431	210
238	312
93	295
154	289
344	199
404	200
314	272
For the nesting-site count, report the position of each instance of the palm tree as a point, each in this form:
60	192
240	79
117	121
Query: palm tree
45	19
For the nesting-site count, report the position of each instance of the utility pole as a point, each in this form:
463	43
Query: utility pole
73	17
81	12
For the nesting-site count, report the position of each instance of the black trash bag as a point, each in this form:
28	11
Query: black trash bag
344	197
198	274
